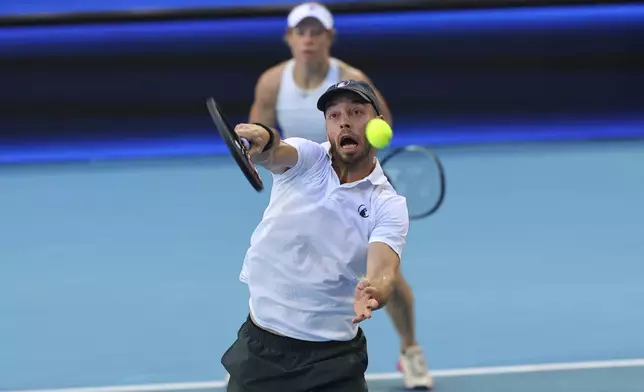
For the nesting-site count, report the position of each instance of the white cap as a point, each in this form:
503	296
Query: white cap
310	10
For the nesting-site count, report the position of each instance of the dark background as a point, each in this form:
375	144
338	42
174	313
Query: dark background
456	75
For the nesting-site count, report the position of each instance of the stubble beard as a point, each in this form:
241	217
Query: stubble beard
350	161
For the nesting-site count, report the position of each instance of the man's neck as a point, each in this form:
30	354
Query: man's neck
310	75
353	173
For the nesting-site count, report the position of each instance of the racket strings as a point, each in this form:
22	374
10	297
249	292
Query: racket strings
418	175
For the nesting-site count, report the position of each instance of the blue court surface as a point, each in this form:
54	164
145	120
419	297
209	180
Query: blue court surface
123	276
609	376
623	379
630	379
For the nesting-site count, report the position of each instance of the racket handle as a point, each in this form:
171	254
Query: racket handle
245	143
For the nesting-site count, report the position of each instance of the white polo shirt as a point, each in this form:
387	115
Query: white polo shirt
310	249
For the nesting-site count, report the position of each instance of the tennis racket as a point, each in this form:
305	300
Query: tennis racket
237	146
416	173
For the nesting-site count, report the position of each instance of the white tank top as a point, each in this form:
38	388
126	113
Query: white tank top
297	113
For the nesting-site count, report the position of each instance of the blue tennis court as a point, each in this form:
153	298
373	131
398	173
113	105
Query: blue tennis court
627	379
615	376
122	276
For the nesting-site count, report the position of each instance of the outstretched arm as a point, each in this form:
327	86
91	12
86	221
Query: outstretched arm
375	289
383	257
278	158
382	269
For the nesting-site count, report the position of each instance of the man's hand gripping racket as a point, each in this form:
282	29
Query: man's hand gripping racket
243	141
254	137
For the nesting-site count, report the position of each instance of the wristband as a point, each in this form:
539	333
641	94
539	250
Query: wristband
271	137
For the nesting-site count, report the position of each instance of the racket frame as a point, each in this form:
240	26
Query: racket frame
441	174
237	146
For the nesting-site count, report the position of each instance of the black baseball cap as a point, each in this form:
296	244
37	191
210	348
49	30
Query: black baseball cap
362	89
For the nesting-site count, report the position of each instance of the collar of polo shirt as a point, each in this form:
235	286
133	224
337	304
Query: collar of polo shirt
377	176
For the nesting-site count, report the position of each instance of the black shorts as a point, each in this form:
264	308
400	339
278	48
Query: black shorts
264	362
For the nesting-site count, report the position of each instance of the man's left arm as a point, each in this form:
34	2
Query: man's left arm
385	247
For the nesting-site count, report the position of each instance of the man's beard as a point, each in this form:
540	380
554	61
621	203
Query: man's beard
353	159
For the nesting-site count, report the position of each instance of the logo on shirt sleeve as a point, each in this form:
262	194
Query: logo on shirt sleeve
362	211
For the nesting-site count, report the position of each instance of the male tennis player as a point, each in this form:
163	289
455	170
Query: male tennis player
286	96
324	257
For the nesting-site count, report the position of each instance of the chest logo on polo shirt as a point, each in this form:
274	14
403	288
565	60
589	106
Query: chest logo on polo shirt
362	211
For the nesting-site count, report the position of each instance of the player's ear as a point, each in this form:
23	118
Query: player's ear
333	36
287	35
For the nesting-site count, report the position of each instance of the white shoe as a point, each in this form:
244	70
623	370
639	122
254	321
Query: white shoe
414	368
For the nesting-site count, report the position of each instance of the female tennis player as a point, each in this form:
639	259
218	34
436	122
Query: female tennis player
286	96
324	257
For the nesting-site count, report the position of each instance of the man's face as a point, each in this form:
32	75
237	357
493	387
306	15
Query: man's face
346	119
309	40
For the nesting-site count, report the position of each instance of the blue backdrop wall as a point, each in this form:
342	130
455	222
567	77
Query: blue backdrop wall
450	76
16	7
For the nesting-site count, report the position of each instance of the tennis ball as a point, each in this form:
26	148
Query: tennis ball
378	133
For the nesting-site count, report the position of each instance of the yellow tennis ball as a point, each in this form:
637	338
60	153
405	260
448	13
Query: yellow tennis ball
378	133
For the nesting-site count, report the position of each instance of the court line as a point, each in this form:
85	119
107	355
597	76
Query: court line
546	367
